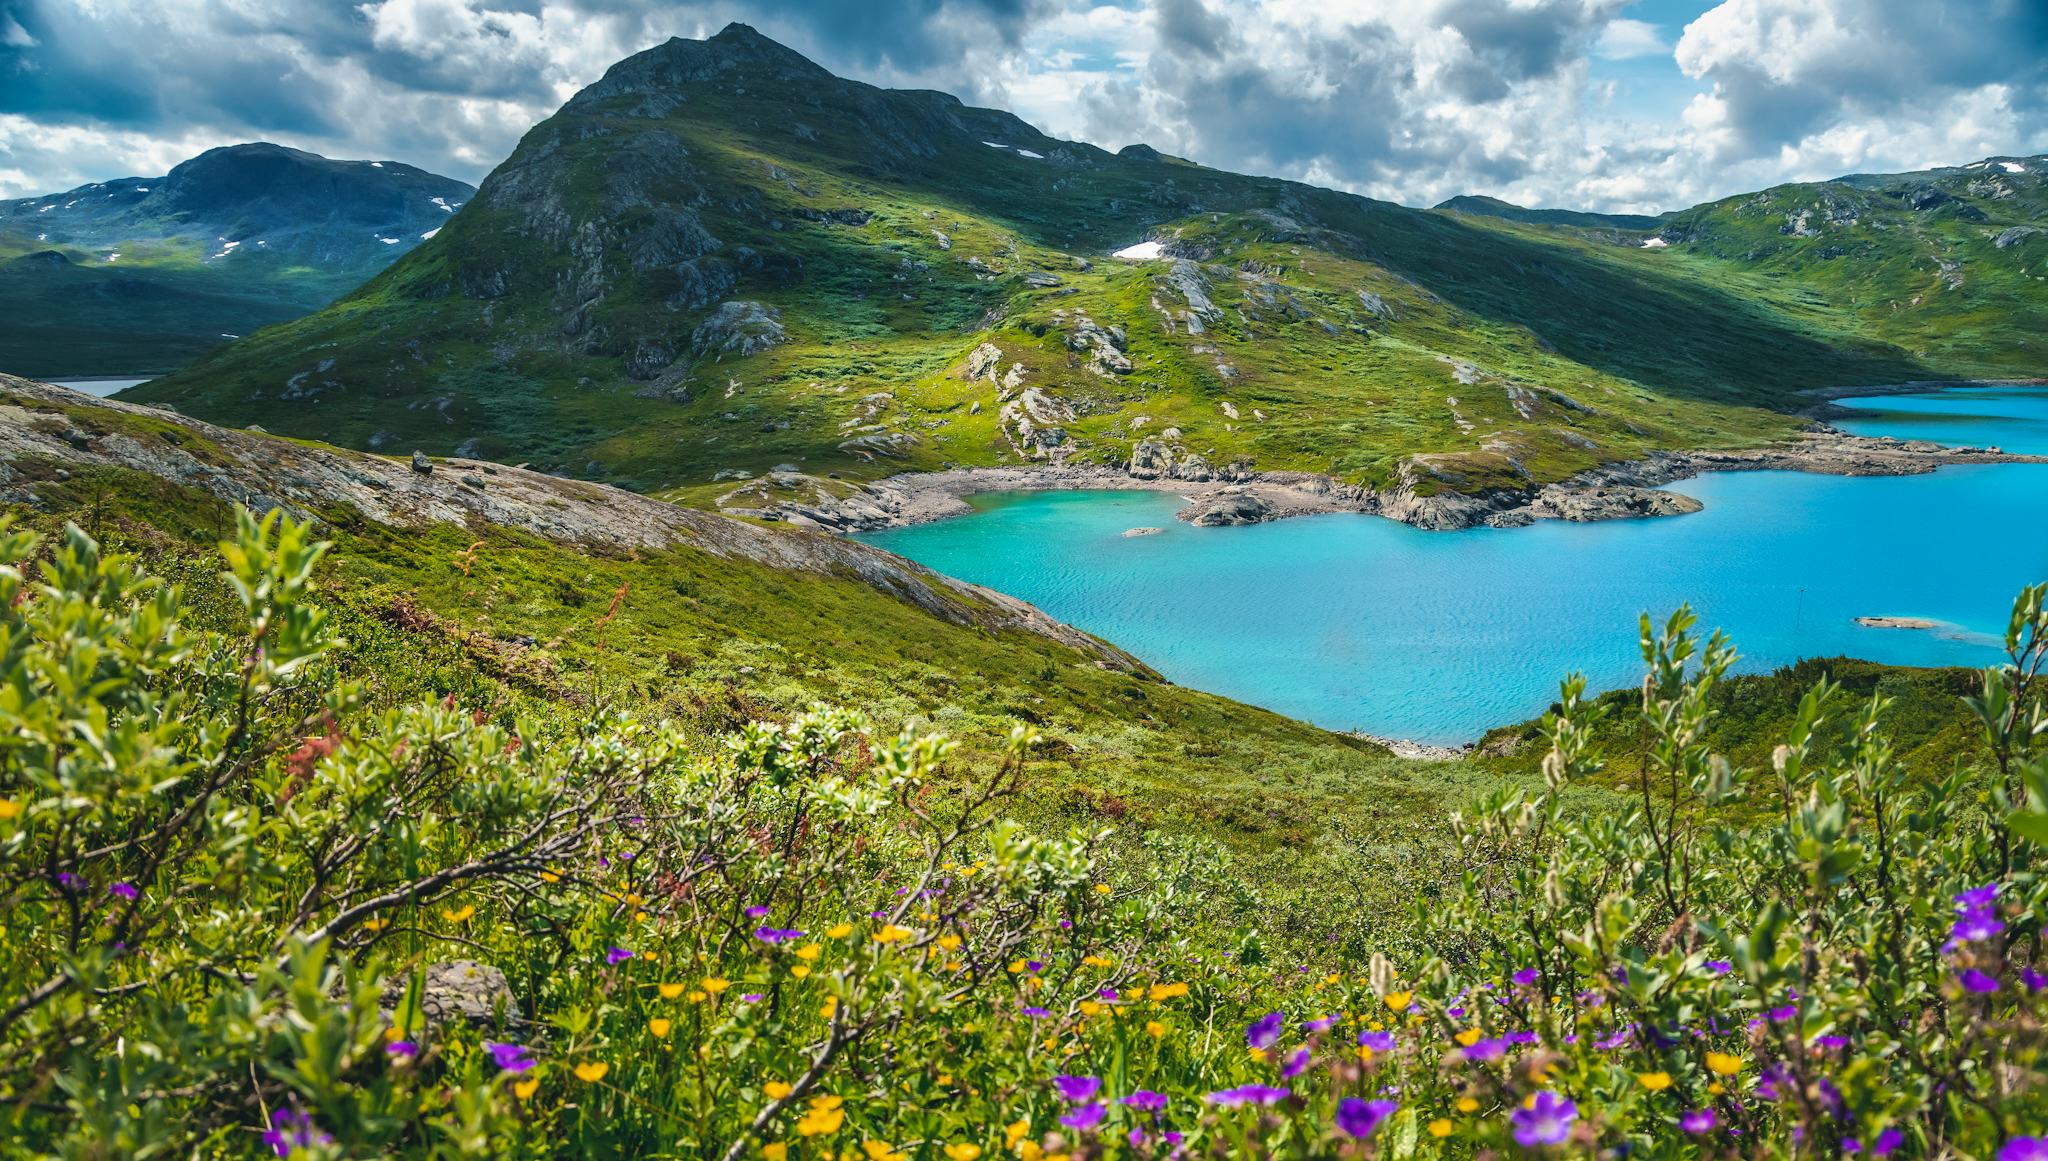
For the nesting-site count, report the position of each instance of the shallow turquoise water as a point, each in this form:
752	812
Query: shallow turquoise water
1357	622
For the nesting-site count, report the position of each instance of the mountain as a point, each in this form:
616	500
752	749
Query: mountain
722	262
141	274
1496	208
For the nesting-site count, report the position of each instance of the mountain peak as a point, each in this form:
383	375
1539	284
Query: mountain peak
739	52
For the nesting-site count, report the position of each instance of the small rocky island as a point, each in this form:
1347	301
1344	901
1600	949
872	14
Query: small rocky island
1897	623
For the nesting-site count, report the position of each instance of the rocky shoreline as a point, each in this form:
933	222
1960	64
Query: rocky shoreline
1613	492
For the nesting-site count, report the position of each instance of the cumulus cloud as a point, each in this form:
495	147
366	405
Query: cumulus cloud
1407	99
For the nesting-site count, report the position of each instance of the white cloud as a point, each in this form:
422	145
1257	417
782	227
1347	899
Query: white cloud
1628	39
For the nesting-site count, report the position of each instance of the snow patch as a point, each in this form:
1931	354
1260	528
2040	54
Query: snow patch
430	233
226	248
1654	243
995	145
445	207
114	257
48	208
376	165
2013	167
1021	152
388	241
1142	252
141	189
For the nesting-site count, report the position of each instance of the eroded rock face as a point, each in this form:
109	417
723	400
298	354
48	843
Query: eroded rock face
1230	506
739	327
458	990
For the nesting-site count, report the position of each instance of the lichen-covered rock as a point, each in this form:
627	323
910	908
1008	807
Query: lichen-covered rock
458	990
739	327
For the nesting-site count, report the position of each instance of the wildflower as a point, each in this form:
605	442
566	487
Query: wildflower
829	1007
1377	1041
756	911
839	930
1699	1121
2025	1149
890	933
592	1072
1467	1105
820	1121
1085	1118
1145	1100
1441	1127
881	1151
377	924
1977	897
808	952
713	984
1102	888
1296	1064
670	991
1320	1024
778	934
1249	1094
550	876
1075	1089
1015	1130
1159	993
402	1048
9	809
1034	967
1722	1064
1976	982
461	915
659	1027
1036	1013
775	1090
291	1129
1776	1083
1359	1118
1527	976
617	956
962	1151
1544	1119
524	1089
126	891
775	1151
1094	961
510	1057
1654	1081
1262	1032
1976	926
1486	1051
1154	1029
1399	1001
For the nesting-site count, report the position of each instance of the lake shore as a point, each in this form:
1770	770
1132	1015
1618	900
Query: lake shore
1626	490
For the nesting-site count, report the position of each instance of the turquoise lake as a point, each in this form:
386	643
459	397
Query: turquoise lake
1362	623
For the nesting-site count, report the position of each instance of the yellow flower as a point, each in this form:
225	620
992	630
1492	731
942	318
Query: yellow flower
459	916
775	1090
592	1072
827	1101
1722	1064
1029	1151
801	971
963	1151
890	933
1365	1054
1154	1029
1468	1037
1100	961
775	1151
713	984
1256	1053
809	952
525	1088
820	1121
1015	1130
377	924
697	996
950	943
1441	1127
659	1027
1467	1105
647	955
394	1033
550	877
1333	977
1090	1008
881	1151
1102	888
1016	965
9	808
830	1006
839	930
1717	1088
1161	992
671	991
1399	1001
1654	1081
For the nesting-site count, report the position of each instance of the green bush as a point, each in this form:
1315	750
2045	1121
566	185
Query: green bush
253	909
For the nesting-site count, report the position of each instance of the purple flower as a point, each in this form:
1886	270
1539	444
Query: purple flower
1146	1100
1887	1142
751	998
510	1057
2034	980
2025	1149
1262	1032
125	890
1249	1094
1359	1118
1719	967
1034	967
1377	1041
1085	1117
1036	1013
69	881
291	1129
756	911
1699	1121
1320	1024
1781	1014
402	1048
1486	1050
1075	1089
1830	1043
1545	1120
1977	897
1527	976
1106	994
1976	982
1776	1083
777	934
617	955
1296	1064
1976	926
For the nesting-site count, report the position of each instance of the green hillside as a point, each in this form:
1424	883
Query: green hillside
1581	219
722	259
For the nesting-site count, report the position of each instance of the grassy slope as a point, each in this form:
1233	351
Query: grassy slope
1667	350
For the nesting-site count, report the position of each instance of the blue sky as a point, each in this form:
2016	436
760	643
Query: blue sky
1603	104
